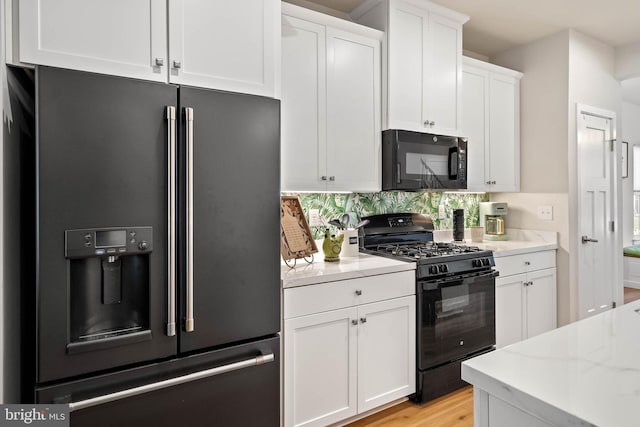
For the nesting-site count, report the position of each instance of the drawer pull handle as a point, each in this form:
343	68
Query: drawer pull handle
358	292
363	320
354	322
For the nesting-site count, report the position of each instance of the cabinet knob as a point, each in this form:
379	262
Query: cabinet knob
177	64
488	183
354	322
493	182
358	292
324	178
527	263
363	320
426	123
332	178
432	123
159	62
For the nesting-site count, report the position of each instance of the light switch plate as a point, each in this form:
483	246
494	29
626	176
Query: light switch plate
545	213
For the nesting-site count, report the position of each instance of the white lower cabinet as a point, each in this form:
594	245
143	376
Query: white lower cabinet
349	346
525	296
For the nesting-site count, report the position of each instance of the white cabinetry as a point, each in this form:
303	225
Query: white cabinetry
349	346
421	91
330	103
525	296
491	121
232	45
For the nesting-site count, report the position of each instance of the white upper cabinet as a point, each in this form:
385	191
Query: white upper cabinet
226	45
491	122
330	107
421	91
121	37
229	45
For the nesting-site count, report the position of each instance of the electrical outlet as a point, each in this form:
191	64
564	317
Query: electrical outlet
545	213
314	218
441	212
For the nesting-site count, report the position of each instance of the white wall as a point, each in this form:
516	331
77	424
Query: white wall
630	133
592	82
2	115
544	92
559	71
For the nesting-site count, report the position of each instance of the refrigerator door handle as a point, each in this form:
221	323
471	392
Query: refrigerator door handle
171	297
100	400
189	318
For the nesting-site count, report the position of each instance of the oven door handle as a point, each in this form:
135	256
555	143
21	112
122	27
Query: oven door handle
458	280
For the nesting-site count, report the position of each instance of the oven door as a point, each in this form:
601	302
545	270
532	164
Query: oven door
456	317
419	161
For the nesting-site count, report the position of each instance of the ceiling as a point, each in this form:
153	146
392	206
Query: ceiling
498	25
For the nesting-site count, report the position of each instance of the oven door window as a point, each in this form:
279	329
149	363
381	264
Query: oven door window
456	319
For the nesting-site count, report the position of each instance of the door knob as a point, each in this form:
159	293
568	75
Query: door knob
586	239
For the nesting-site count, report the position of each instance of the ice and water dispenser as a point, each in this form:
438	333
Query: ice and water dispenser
108	286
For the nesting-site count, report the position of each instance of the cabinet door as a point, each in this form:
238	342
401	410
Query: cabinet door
475	105
117	37
504	146
540	311
509	312
320	368
443	70
353	112
303	152
386	351
407	36
227	45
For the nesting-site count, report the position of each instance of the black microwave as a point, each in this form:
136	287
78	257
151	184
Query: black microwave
414	161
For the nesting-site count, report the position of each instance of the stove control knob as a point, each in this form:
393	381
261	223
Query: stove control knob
476	263
433	269
485	261
443	268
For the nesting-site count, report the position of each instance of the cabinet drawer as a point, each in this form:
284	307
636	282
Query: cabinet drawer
516	264
311	299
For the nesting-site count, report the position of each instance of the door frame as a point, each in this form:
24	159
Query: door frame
574	208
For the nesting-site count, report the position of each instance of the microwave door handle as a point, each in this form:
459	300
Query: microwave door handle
398	172
453	163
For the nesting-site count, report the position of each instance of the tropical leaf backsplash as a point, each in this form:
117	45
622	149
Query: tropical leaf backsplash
357	205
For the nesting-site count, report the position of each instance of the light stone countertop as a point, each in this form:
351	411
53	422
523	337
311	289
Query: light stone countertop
585	373
521	241
348	268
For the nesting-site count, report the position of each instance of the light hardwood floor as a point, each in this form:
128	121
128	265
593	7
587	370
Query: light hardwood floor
454	409
631	294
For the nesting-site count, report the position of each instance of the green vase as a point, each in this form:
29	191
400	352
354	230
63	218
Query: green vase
331	246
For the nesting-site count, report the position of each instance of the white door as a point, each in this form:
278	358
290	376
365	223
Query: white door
320	368
596	212
504	147
386	352
509	309
303	107
540	302
475	106
353	112
118	37
226	45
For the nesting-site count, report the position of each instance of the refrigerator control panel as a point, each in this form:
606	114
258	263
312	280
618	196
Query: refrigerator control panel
92	242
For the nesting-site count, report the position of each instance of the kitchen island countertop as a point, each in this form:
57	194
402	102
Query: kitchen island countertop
585	373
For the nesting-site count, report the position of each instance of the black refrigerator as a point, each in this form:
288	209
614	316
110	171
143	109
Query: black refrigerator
147	221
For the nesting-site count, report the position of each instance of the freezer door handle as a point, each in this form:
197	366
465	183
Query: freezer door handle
171	288
124	394
189	318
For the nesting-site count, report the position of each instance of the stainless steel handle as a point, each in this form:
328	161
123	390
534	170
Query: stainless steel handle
189	318
259	360
586	239
363	320
177	64
160	63
358	292
171	226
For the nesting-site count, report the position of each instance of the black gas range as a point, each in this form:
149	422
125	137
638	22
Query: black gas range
455	291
